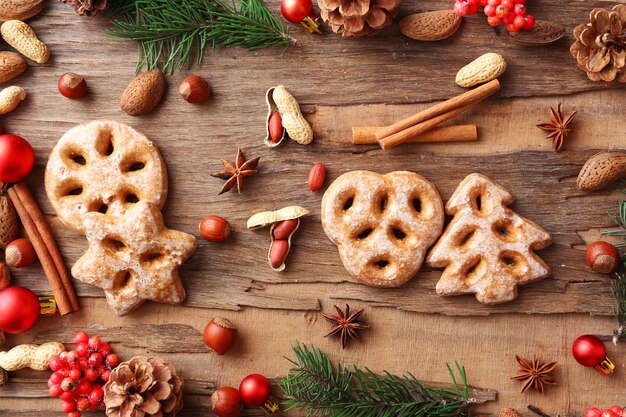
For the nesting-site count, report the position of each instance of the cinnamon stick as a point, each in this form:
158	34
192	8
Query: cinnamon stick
366	135
404	135
41	237
470	97
46	233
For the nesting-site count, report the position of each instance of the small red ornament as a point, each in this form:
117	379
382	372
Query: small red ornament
256	391
19	309
16	158
301	12
590	351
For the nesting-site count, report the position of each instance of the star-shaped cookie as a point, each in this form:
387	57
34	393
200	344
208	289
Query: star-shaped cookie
134	258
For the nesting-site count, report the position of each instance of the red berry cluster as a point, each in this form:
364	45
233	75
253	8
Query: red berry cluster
510	12
80	374
614	411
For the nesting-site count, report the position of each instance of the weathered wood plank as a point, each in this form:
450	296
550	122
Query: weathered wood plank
37	388
170	337
337	80
550	199
382	69
397	341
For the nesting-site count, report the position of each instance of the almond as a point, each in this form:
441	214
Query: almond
143	93
9	224
19	9
430	26
543	33
11	65
601	170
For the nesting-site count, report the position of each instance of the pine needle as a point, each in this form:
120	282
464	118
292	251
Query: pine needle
321	388
173	34
618	286
619	292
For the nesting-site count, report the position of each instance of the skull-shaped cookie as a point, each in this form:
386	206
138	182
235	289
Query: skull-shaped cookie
382	224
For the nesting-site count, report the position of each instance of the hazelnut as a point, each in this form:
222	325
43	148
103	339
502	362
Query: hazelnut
220	335
226	402
602	257
72	85
194	89
214	229
20	253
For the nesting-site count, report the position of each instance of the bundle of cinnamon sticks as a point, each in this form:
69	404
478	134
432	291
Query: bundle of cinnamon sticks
424	126
40	235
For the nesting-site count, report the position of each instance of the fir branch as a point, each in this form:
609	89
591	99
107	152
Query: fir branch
171	33
320	388
618	286
619	292
620	222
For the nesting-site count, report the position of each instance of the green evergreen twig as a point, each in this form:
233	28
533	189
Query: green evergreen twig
618	286
171	33
619	292
319	387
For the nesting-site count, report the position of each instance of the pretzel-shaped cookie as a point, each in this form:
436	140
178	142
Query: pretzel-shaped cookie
382	224
103	166
487	249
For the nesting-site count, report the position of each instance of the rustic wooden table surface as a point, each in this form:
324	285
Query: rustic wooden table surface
374	81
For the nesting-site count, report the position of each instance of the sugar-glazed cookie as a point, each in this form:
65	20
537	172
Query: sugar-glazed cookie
382	224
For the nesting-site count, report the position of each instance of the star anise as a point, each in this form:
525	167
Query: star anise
559	127
345	324
235	173
534	374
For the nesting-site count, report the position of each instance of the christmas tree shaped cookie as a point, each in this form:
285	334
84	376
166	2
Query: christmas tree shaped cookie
487	249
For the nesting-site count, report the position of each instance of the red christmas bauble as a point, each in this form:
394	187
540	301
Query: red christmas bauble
588	350
255	390
16	158
19	309
296	10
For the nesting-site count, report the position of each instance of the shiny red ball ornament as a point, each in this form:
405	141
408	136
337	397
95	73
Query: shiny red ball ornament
296	10
19	309
255	390
590	351
16	158
300	12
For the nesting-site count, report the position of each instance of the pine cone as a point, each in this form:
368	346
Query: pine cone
143	387
600	47
88	7
357	17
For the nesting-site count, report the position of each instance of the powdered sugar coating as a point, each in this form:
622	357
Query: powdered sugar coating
134	258
384	233
103	166
487	249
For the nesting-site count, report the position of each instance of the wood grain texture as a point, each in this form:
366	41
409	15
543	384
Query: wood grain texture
552	201
341	82
37	388
170	337
235	275
397	341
